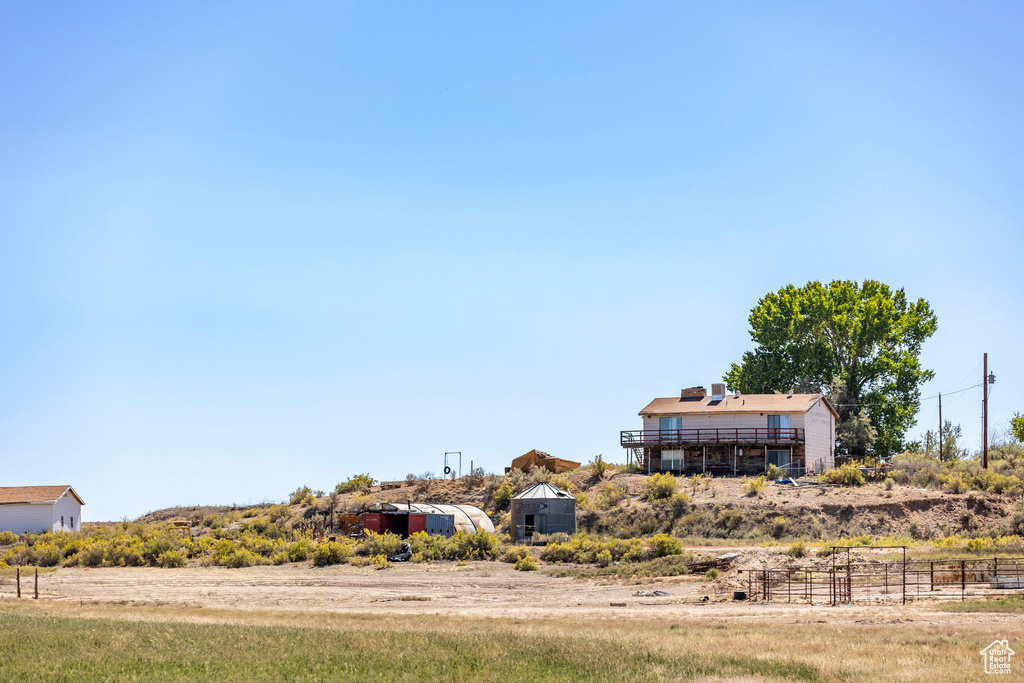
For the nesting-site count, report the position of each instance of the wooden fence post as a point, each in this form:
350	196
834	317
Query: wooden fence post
37	584
18	579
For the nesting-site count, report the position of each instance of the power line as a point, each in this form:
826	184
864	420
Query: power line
926	398
969	376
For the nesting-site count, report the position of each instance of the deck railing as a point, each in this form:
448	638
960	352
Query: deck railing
689	437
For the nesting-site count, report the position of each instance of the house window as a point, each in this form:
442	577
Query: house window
672	461
777	422
779	458
62	521
72	522
671	423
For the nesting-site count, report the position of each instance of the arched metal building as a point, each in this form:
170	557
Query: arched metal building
466	517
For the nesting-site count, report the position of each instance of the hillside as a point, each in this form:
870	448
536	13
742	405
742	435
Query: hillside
716	508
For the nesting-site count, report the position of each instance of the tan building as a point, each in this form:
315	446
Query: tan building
731	433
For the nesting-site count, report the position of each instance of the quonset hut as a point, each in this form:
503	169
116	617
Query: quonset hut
465	518
543	509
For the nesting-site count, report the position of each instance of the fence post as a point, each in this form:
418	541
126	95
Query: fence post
963	580
37	584
17	573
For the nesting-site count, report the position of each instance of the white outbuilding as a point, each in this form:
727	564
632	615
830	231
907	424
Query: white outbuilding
40	508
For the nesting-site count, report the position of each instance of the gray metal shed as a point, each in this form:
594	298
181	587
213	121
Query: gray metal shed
543	509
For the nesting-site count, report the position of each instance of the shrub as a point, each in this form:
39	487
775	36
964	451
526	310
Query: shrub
954	483
514	554
711	574
844	476
429	548
540	475
525	564
299	550
889	483
660	486
479	545
797	550
503	496
300	495
916	470
519	480
91	556
171	558
380	562
598	466
239	558
609	495
331	553
46	555
604	558
663	544
357	482
8	537
386	544
755	486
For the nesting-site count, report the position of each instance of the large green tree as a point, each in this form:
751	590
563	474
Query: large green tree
860	341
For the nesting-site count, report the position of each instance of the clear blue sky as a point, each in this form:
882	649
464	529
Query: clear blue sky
247	247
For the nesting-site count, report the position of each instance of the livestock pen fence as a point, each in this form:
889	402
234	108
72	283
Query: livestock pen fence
844	580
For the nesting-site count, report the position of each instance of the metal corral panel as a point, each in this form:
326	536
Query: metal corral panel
440	525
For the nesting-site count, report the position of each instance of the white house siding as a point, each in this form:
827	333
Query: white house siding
70	508
725	421
820	436
22	518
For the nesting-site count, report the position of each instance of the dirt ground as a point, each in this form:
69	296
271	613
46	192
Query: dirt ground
478	589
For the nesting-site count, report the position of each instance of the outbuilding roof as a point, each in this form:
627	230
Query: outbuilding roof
744	403
14	495
543	491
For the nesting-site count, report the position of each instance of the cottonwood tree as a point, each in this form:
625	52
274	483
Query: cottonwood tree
1017	426
865	335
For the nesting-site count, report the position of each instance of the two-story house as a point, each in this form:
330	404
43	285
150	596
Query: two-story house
733	433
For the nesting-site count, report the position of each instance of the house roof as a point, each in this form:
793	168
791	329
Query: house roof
13	495
544	491
745	403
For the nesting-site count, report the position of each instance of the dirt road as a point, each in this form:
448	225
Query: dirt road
488	589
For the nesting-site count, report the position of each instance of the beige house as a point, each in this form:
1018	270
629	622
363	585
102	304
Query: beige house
731	433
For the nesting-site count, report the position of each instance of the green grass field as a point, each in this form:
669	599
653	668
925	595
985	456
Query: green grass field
64	642
1010	605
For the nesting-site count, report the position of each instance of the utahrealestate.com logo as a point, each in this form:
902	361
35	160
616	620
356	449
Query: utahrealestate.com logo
997	657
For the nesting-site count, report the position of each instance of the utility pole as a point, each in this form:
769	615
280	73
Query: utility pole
940	427
986	379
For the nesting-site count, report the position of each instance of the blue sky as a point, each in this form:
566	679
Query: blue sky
247	247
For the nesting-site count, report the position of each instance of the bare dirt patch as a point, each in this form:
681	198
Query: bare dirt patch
478	589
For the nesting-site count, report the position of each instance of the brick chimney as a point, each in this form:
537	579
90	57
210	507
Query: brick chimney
692	394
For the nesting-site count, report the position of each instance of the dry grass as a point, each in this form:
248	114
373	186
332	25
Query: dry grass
117	643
